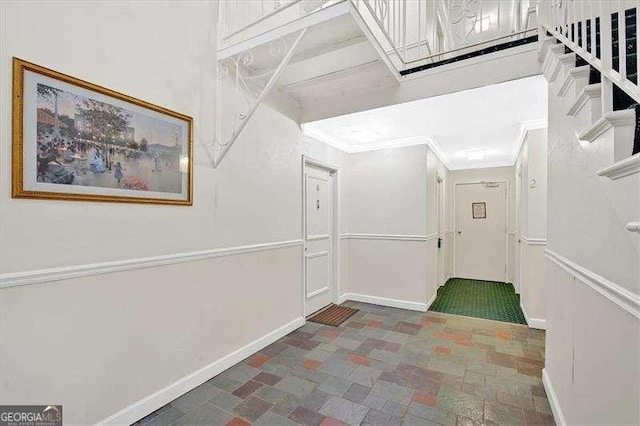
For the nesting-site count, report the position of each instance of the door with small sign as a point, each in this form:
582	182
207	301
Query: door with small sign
318	235
481	234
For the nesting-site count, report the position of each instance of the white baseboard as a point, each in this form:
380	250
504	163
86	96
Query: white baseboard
148	405
384	301
539	323
553	399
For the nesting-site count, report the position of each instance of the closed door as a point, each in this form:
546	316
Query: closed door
481	233
318	251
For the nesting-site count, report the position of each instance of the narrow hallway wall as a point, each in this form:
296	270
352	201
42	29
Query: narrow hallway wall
126	338
385	202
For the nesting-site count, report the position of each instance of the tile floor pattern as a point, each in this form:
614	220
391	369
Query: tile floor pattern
384	366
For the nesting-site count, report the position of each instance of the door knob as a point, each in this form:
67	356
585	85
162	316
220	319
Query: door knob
459	232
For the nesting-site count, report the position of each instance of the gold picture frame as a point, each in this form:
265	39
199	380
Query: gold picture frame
75	140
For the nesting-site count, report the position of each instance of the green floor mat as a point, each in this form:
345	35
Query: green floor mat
480	299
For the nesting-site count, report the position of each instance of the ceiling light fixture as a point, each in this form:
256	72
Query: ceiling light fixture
365	135
475	155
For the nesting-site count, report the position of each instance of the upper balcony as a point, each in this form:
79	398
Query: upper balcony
413	35
315	59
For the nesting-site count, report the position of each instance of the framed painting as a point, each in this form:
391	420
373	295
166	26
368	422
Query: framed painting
74	140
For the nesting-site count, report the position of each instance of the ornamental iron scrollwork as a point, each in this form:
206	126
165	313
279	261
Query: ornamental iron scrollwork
464	17
242	85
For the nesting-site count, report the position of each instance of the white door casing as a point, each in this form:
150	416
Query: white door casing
481	243
440	202
519	246
319	286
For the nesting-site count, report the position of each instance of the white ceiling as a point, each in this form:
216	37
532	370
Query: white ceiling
488	122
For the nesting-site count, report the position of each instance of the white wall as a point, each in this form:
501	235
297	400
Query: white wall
99	343
385	200
531	226
593	278
491	174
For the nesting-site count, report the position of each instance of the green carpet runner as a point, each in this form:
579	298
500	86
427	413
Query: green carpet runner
480	299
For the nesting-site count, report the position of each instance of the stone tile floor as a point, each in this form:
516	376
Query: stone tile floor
383	366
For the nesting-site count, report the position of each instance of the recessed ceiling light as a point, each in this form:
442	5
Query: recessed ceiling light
475	155
365	135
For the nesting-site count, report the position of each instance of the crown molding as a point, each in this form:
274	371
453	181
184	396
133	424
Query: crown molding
390	143
435	147
525	128
428	140
323	137
374	146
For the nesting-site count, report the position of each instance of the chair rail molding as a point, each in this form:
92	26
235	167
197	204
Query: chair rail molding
67	272
619	295
392	237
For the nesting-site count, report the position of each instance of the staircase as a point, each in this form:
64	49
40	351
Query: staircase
590	48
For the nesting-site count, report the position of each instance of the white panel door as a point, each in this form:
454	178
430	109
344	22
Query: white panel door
481	234
318	252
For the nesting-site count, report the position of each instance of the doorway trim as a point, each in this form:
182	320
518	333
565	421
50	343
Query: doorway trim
506	224
335	230
441	214
518	232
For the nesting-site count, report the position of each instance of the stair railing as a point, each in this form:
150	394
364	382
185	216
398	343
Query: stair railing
601	33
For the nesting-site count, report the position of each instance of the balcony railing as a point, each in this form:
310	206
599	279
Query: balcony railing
418	32
411	32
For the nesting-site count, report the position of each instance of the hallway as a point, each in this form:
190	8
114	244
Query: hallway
384	366
191	181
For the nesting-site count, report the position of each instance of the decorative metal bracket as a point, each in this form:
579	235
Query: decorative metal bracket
249	91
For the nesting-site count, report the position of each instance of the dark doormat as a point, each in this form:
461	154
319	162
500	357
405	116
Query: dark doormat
333	315
481	299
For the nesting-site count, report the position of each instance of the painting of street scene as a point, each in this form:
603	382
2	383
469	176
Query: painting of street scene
86	142
105	146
